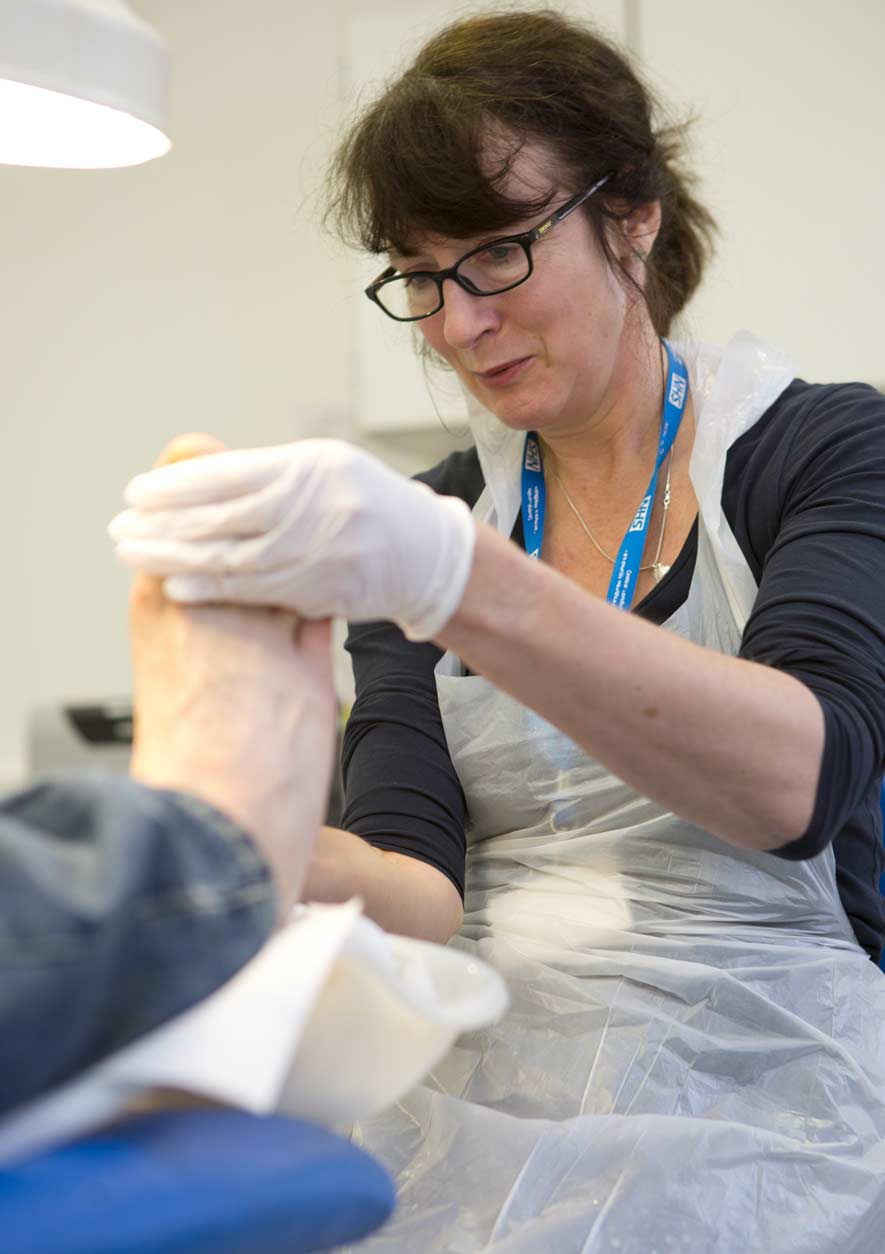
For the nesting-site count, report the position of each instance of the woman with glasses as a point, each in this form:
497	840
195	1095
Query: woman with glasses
619	682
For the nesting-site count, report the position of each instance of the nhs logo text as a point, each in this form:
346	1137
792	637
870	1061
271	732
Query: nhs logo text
638	522
677	391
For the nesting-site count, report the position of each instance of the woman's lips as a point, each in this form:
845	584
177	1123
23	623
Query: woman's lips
498	376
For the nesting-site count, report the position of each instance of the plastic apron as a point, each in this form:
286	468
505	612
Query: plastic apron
694	1060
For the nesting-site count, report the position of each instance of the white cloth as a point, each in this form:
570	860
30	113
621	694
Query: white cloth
694	1059
332	1019
318	526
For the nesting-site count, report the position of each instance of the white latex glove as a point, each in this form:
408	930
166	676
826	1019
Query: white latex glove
319	527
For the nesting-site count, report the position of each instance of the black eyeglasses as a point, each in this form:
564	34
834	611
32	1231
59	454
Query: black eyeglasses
485	271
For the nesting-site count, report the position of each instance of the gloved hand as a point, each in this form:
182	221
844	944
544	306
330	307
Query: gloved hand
319	527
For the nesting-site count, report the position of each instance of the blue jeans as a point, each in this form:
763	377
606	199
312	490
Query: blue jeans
120	907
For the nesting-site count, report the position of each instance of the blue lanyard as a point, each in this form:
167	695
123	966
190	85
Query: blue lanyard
534	490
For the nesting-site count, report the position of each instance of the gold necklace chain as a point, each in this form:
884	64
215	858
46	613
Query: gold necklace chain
659	568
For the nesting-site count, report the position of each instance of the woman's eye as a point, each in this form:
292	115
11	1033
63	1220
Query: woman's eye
417	281
499	254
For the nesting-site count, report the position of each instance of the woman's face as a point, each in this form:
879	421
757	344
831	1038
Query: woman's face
548	354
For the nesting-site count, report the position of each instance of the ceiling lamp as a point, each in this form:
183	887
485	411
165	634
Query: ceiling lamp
82	85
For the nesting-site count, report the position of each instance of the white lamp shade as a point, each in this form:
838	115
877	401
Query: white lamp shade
82	85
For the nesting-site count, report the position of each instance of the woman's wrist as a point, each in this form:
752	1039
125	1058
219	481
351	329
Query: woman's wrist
498	598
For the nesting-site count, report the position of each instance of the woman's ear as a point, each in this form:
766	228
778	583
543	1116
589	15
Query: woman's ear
640	230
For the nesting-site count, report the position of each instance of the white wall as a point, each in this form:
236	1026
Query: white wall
198	292
790	99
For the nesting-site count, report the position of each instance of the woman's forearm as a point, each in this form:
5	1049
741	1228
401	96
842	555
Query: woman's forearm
399	893
728	744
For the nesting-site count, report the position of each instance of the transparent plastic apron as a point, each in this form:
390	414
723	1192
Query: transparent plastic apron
694	1059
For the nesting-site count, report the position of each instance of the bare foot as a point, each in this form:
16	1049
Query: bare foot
236	705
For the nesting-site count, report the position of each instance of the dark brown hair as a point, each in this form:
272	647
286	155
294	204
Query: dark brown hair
417	161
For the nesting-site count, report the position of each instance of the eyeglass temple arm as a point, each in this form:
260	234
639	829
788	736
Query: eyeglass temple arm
569	207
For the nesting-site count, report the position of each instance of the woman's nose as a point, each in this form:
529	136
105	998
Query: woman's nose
466	317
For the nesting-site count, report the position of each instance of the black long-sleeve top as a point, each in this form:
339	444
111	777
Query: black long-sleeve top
804	494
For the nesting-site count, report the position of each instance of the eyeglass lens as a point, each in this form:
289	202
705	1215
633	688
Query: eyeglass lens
416	295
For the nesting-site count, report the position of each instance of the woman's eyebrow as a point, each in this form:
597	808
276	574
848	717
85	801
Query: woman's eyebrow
403	252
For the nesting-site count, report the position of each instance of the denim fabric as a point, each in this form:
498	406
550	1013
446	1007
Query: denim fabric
120	906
